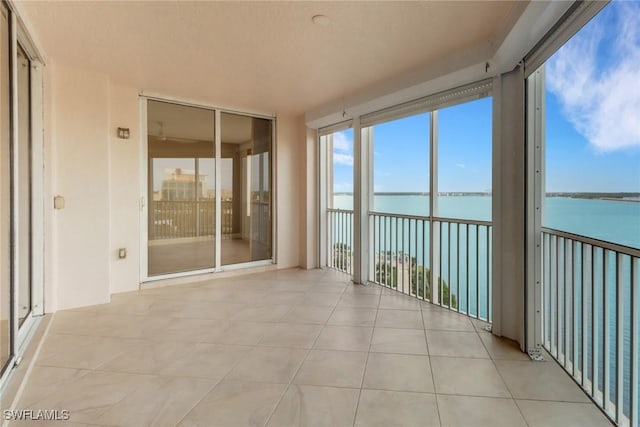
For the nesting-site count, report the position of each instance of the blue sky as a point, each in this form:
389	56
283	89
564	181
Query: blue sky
592	123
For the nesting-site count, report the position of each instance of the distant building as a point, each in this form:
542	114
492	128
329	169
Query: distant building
179	185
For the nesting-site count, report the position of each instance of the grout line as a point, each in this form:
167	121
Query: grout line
433	381
366	362
275	407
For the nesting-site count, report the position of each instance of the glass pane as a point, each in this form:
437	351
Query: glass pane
592	110
464	160
401	166
5	191
341	173
245	188
24	185
181	152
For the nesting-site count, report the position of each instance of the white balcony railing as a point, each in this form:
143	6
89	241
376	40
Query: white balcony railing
590	319
408	251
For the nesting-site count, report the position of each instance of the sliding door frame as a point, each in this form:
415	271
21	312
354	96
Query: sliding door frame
144	180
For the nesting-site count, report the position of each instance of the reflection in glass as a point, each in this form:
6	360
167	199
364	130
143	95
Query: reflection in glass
245	188
181	153
5	191
24	185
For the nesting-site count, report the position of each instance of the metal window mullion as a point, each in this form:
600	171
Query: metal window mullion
218	187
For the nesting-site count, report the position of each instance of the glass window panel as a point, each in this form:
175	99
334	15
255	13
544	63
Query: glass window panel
465	160
5	192
401	165
341	173
24	185
246	188
181	152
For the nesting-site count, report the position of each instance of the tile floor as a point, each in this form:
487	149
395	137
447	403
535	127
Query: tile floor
290	348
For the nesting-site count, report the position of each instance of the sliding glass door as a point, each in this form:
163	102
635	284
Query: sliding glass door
21	204
246	188
181	190
5	192
199	218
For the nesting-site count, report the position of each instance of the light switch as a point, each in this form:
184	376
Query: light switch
122	253
58	202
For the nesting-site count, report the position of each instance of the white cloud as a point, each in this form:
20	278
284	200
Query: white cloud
602	99
342	149
343	159
341	143
460	165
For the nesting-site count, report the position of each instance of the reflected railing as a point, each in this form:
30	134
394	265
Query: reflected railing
407	251
590	318
173	219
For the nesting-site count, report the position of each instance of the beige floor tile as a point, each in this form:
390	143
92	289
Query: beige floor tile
239	333
187	330
562	414
471	377
539	381
203	360
456	344
363	289
266	313
148	357
82	351
330	287
404	341
396	408
400	372
464	411
406	319
268	364
45	381
398	301
314	314
359	300
445	320
86	397
348	338
502	348
160	401
305	405
290	335
332	368
235	404
282	298
107	325
353	316
324	299
221	311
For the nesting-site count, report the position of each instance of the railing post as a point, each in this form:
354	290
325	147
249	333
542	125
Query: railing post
362	139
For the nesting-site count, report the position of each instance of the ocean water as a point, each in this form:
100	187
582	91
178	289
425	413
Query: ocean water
611	221
608	220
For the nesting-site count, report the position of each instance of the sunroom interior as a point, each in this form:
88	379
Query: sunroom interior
254	183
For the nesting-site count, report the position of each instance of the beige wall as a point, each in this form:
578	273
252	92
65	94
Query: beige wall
309	201
289	172
124	203
100	177
80	119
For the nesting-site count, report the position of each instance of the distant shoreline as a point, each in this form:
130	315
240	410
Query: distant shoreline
614	197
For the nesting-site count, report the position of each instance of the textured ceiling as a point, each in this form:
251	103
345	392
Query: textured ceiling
265	56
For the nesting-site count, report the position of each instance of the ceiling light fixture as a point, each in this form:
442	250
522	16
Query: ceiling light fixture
321	20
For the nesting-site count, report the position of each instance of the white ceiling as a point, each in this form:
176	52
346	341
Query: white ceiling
262	56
